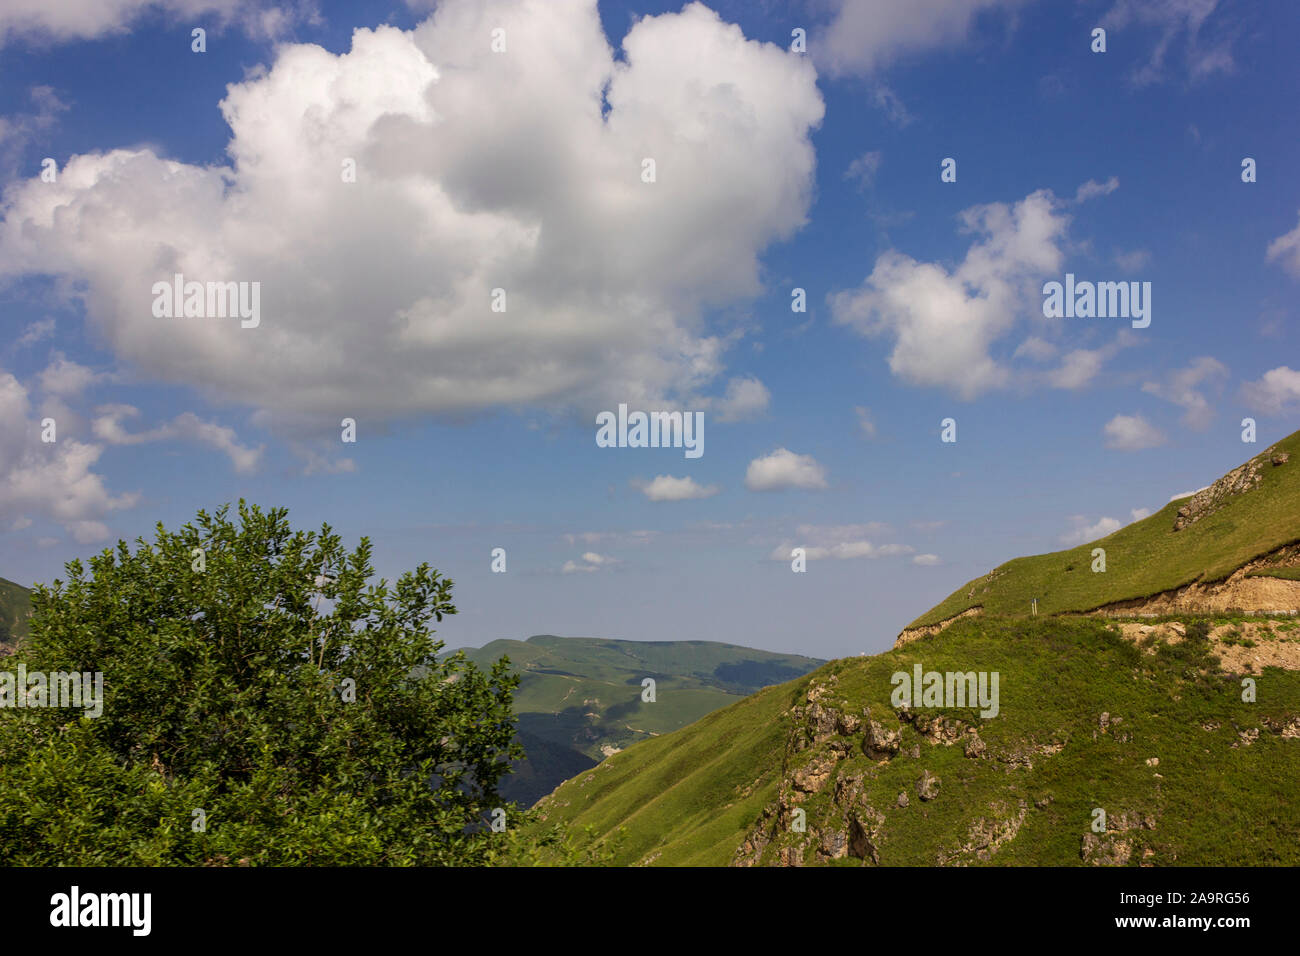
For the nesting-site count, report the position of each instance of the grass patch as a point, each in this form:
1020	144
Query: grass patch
1287	574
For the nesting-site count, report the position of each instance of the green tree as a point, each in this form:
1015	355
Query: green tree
252	673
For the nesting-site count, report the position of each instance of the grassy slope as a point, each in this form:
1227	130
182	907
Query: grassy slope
690	797
1146	557
685	797
15	606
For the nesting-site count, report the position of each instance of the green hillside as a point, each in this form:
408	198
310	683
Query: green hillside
1083	712
1152	723
580	698
15	606
1148	556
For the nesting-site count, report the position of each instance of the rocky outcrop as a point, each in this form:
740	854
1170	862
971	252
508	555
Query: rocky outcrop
880	744
1246	647
937	729
910	634
1115	847
812	776
1240	480
1106	849
828	805
986	836
865	827
927	788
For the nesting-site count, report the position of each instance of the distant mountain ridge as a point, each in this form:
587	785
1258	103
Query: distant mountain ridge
580	698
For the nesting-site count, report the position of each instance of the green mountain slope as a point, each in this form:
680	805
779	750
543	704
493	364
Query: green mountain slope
580	699
1251	516
1084	717
1183	731
15	607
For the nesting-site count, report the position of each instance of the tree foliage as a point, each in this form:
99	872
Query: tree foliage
229	653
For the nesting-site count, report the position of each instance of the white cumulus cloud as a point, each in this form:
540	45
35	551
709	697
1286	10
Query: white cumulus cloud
475	171
943	324
52	479
1285	251
746	398
1275	392
865	35
668	488
44	22
784	469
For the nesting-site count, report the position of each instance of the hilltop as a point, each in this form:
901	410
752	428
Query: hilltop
1159	740
1232	546
580	699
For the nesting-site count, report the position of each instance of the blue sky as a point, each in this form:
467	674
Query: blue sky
775	170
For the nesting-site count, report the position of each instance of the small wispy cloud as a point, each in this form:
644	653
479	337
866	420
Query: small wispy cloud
1092	189
186	426
1132	433
668	488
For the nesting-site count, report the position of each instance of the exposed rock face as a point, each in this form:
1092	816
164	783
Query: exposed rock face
819	721
1240	480
937	729
1242	589
1247	737
840	803
910	634
986	836
834	844
880	743
751	850
1105	849
790	856
1113	848
812	776
1289	729
864	834
1280	459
